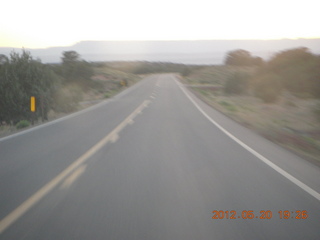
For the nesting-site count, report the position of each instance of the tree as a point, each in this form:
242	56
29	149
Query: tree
242	57
3	59
70	57
74	69
268	87
20	78
257	61
289	58
299	70
237	83
238	58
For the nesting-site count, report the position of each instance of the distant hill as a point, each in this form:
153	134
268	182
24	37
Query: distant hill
187	52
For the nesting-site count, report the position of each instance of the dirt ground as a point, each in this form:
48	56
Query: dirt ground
290	122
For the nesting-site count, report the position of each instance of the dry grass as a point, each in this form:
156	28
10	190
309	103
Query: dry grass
105	83
291	122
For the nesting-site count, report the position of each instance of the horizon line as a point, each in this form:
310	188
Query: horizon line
169	40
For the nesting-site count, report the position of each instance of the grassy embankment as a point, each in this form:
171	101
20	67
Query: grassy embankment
105	83
290	122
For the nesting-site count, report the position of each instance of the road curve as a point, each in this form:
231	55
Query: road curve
151	163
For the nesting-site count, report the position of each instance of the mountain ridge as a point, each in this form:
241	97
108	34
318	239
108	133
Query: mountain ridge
179	51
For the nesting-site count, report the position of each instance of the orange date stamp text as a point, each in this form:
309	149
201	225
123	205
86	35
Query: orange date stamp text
263	214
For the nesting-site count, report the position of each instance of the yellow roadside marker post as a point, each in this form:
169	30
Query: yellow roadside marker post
33	104
33	107
124	83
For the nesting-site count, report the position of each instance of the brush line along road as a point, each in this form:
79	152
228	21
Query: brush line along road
153	162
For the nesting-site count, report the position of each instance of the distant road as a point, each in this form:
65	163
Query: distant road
153	162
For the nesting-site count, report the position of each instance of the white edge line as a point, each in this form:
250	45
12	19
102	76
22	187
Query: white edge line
56	120
258	155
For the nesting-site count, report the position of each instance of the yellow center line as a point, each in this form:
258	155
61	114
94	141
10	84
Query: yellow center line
73	177
35	198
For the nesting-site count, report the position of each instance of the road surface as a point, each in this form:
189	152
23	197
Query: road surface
153	162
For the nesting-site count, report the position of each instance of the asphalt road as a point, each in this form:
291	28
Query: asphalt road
151	163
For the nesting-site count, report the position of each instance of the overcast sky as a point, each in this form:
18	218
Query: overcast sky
41	23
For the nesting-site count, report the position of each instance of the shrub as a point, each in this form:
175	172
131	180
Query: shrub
107	95
268	87
66	99
316	111
22	124
298	69
242	57
237	83
290	103
186	71
228	106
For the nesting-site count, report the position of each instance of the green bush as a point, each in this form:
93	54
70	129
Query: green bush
107	94
22	124
268	87
21	77
237	83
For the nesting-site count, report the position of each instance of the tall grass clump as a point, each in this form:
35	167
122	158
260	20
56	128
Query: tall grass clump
22	124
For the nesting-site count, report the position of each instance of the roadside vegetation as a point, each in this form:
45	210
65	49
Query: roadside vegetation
142	68
278	98
59	89
65	87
